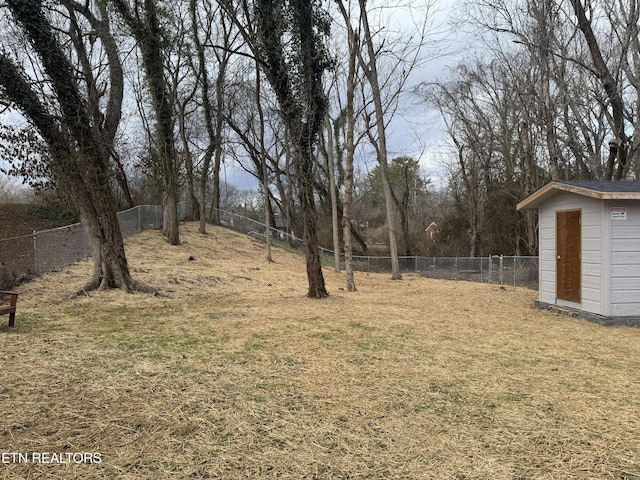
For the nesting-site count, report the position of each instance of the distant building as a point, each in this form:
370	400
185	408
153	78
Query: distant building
431	233
282	225
226	220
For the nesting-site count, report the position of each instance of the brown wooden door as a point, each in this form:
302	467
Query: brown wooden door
568	255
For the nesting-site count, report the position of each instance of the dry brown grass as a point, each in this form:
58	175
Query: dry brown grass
237	375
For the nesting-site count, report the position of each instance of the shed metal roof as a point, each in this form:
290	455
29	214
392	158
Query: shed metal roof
588	188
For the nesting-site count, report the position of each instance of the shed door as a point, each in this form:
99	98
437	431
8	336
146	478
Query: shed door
568	255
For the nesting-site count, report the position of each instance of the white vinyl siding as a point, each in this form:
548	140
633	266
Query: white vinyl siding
547	254
593	244
625	260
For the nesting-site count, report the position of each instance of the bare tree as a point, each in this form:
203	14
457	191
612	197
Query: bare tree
480	109
350	147
79	158
288	44
142	19
618	157
257	142
101	26
380	142
212	106
387	62
184	86
333	194
587	57
263	164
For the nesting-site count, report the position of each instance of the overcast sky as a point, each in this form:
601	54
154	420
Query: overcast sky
416	130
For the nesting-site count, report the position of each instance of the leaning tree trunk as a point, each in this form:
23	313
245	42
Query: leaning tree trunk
381	146
99	218
78	154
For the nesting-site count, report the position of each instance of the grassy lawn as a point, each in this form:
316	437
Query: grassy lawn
234	374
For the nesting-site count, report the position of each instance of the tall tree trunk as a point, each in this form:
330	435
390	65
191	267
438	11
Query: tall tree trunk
333	196
223	55
298	87
349	139
217	163
194	204
545	82
304	168
146	30
206	106
381	145
528	167
263	164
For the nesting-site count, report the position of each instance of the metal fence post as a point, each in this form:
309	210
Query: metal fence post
35	252
501	273
490	274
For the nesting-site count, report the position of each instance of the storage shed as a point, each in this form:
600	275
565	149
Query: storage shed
589	248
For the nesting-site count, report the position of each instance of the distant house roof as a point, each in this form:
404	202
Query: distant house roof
432	226
587	188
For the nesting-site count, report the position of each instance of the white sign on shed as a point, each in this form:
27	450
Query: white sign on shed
618	213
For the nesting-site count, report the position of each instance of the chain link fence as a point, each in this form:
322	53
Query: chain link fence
49	250
504	270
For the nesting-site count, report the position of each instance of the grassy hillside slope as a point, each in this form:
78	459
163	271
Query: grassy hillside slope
235	374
